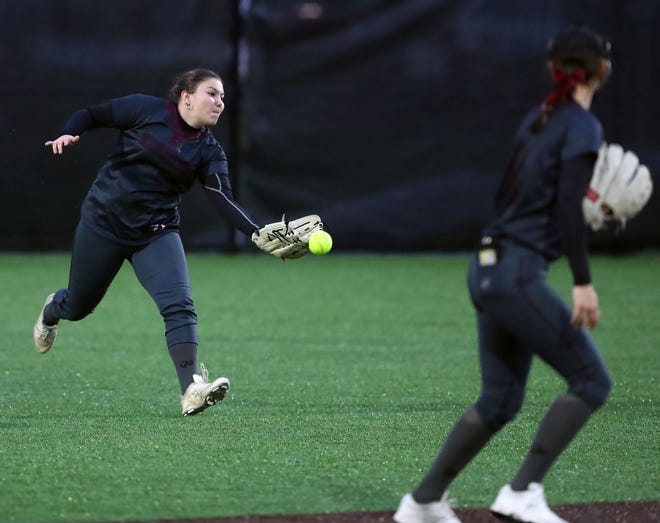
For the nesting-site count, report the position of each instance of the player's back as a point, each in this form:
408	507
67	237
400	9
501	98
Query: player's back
527	198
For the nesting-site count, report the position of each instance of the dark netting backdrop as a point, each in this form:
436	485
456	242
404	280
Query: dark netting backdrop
391	119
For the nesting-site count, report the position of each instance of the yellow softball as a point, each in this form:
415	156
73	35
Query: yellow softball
320	242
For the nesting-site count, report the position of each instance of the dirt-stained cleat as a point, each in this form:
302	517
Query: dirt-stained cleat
44	335
201	394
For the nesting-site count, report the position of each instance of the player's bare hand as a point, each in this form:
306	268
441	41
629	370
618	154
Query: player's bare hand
60	143
585	307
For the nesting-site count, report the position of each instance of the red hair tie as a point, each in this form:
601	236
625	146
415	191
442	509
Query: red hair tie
565	82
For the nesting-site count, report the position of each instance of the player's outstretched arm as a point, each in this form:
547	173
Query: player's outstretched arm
61	142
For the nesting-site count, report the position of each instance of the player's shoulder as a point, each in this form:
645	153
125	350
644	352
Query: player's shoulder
210	138
140	100
583	131
575	116
213	147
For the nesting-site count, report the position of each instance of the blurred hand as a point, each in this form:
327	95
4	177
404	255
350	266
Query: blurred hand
60	143
585	307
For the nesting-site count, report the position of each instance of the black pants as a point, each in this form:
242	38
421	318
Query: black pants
160	266
519	316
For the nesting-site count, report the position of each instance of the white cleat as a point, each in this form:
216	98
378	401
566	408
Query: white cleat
44	335
410	511
201	394
528	505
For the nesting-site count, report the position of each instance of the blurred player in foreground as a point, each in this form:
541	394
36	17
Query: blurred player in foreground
519	316
131	213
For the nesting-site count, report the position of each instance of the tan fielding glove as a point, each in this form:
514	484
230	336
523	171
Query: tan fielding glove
287	239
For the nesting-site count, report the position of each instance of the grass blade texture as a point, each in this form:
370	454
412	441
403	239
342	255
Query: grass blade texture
347	372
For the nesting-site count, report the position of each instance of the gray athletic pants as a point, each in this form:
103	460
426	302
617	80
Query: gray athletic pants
160	266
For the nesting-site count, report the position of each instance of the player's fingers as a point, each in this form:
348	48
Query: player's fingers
588	317
52	144
62	142
576	319
593	316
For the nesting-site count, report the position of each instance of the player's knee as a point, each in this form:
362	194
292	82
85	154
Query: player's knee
593	389
499	408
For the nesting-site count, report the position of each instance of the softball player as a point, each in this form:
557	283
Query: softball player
131	213
519	316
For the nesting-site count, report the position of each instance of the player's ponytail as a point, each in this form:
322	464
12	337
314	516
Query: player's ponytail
565	82
576	55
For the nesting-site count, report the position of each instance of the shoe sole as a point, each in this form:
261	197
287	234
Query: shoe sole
216	395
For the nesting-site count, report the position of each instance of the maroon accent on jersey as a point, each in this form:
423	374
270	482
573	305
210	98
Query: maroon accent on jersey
180	130
173	168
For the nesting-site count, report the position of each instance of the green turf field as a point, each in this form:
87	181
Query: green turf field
347	372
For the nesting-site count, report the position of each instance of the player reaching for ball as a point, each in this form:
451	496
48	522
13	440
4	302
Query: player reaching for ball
131	213
519	316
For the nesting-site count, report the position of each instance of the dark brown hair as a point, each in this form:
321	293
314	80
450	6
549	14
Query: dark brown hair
189	81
